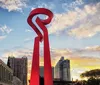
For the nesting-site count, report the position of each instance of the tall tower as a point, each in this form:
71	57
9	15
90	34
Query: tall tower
62	69
19	67
66	70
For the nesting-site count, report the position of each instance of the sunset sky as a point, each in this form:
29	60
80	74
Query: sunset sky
73	33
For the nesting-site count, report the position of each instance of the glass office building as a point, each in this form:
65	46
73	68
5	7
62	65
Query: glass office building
62	69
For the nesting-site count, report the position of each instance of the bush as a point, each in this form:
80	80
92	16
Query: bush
93	81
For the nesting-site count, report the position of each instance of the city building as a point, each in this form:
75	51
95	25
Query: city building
42	71
16	81
6	74
19	67
62	70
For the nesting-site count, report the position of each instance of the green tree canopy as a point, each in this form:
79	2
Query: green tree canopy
92	73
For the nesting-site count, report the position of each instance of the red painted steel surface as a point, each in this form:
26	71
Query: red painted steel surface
48	79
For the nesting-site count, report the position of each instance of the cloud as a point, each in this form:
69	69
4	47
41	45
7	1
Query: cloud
32	8
70	6
80	22
28	39
13	5
61	21
2	37
56	53
20	52
90	25
85	31
93	48
4	31
40	4
27	30
90	51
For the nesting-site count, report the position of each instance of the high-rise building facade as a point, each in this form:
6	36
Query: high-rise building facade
6	74
19	67
62	69
42	71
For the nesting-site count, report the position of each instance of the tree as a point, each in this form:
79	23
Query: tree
91	74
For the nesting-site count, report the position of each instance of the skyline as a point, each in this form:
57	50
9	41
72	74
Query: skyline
73	33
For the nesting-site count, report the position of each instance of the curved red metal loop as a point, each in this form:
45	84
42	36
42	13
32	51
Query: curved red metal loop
45	22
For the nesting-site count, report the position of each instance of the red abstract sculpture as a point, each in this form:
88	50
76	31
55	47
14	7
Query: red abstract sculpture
41	37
